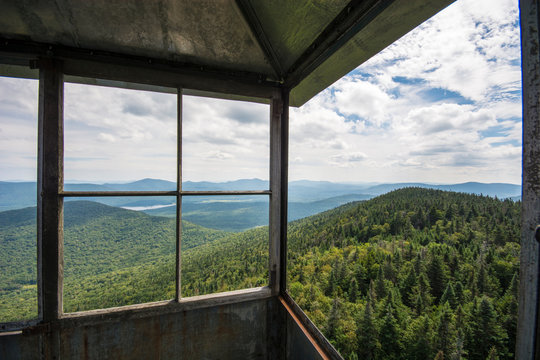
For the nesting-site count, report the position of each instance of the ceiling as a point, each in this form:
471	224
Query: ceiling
303	45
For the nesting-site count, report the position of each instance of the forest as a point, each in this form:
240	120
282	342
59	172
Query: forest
412	274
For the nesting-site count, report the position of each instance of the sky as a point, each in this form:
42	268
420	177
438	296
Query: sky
440	105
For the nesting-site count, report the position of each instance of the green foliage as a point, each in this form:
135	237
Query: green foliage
425	261
413	274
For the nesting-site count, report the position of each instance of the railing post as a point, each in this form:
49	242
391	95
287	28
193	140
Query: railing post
530	211
50	184
279	144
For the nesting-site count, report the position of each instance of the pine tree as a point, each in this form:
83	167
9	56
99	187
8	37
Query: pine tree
353	290
485	330
493	354
437	277
367	335
445	330
419	345
333	318
380	284
389	336
407	287
449	296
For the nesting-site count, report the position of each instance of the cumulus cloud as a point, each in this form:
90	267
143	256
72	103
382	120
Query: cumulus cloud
442	104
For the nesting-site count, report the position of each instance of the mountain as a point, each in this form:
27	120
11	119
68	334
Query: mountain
500	190
14	195
408	274
235	215
98	239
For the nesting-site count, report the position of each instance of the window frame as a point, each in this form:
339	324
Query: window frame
51	195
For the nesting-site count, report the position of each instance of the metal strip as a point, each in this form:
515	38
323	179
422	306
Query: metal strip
116	193
226	193
160	193
179	197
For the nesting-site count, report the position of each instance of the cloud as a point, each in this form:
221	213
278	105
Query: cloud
442	104
347	159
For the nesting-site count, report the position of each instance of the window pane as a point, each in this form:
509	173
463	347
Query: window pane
115	256
225	140
18	169
229	252
117	135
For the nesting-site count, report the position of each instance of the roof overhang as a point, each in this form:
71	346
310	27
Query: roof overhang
241	49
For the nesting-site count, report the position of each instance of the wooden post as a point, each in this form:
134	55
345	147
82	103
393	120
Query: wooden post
530	211
279	140
179	196
279	131
50	184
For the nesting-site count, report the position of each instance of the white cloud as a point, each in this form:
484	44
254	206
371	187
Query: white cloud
442	104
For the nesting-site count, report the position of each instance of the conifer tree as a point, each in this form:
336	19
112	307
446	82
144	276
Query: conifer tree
437	277
353	290
445	330
367	335
389	336
485	331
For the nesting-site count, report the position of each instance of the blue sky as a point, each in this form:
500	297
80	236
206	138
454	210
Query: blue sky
442	105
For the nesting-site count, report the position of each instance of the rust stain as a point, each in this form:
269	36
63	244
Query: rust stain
304	330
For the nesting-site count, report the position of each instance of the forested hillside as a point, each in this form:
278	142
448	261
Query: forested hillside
413	274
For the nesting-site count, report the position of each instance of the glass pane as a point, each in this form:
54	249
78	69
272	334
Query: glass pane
114	256
18	169
224	244
225	141
119	139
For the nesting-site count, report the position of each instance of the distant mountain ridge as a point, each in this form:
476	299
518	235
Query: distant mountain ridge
16	195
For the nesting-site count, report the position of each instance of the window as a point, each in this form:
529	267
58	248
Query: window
160	192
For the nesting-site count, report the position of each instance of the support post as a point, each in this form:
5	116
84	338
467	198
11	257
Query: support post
527	329
50	185
178	295
279	133
279	152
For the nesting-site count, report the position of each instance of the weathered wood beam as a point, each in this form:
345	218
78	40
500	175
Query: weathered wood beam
104	65
252	20
279	131
179	104
527	330
50	185
353	18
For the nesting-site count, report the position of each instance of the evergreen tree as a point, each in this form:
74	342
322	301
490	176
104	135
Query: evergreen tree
367	334
445	330
353	290
485	331
333	319
437	277
389	336
449	296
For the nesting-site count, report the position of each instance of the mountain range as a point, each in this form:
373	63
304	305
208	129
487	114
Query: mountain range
238	213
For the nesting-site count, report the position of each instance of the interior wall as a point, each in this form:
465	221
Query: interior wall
234	331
